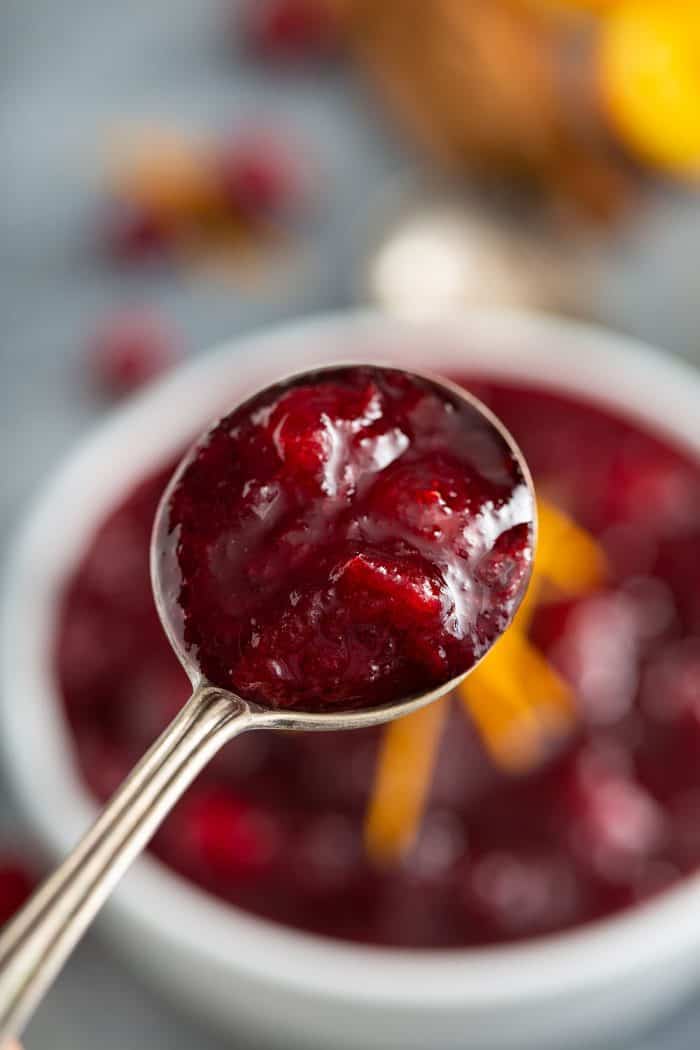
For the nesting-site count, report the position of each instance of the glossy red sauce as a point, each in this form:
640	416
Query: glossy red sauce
347	539
275	824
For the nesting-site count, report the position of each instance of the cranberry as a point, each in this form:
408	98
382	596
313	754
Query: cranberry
441	843
523	894
364	605
262	176
427	497
225	835
615	823
505	568
132	233
671	691
16	885
678	565
649	483
372	586
327	857
599	654
129	349
292	30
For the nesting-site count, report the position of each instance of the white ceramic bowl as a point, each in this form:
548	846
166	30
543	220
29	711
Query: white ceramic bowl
241	972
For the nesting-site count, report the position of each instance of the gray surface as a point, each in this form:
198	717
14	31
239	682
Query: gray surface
69	70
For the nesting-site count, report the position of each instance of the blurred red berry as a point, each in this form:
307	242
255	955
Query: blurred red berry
615	824
129	349
132	233
262	176
650	484
16	885
326	856
522	894
228	836
292	30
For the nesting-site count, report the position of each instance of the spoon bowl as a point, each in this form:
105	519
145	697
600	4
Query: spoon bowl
166	580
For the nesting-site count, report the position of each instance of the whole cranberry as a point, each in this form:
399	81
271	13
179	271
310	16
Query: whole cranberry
292	30
132	233
327	854
130	348
678	565
523	894
671	688
262	176
615	825
599	655
652	485
226	836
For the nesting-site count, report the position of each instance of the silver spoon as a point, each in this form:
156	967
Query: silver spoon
37	942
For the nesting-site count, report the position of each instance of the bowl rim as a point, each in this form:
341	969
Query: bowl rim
623	373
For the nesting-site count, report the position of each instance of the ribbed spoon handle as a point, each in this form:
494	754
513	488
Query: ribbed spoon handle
37	942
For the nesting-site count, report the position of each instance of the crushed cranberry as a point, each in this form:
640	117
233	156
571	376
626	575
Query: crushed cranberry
292	30
129	349
274	824
368	606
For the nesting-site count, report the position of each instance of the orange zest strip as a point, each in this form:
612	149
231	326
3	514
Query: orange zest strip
519	703
567	555
567	558
402	780
517	700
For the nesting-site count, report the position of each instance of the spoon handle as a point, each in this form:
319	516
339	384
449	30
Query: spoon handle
34	946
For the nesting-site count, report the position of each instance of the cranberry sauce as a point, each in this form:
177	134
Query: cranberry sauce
274	825
348	539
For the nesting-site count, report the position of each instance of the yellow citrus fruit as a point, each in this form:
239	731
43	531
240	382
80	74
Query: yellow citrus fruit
649	69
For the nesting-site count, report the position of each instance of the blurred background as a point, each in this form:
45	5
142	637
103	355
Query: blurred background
176	173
